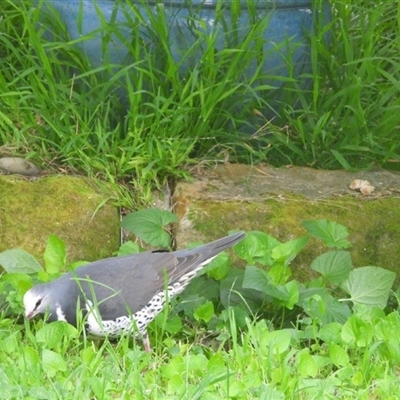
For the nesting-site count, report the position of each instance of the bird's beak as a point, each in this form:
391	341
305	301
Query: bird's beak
30	315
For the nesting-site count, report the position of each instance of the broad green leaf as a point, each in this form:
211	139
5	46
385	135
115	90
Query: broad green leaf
331	333
330	232
387	331
306	365
88	355
17	260
256	248
248	248
6	385
335	311
268	391
369	285
218	268
287	251
334	266
199	290
322	361
257	279
325	309
52	334
128	247
172	325
292	288
204	312
175	383
388	326
338	355
237	389
196	362
21	282
368	313
176	366
216	363
279	273
358	332
358	378
10	344
55	256
279	340
149	224
280	293
52	363
307	292
38	392
236	317
30	357
233	293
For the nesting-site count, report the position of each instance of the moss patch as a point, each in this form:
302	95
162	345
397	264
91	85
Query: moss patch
374	226
62	205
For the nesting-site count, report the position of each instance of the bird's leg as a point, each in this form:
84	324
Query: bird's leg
146	342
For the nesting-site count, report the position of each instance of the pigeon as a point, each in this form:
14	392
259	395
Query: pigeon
121	295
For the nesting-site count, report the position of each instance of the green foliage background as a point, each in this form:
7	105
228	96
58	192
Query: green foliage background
59	110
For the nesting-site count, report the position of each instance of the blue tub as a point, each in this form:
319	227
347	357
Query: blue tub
290	22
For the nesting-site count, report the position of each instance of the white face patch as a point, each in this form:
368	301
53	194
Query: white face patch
29	302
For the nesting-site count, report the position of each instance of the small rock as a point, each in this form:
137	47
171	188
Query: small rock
362	186
17	165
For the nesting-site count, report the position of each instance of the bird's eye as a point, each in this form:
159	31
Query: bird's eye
38	303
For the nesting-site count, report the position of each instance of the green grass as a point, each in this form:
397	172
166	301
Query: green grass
169	116
57	109
64	118
351	121
256	367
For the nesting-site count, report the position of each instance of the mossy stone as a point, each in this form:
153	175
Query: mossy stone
232	198
70	207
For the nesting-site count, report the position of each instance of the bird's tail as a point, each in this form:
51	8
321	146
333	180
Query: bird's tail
211	249
193	260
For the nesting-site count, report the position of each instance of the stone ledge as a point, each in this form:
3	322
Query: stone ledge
67	206
277	200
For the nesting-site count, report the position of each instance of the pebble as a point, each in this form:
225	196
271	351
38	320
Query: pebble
18	165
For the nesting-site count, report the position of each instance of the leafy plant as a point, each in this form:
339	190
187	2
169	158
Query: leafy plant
256	324
264	289
149	225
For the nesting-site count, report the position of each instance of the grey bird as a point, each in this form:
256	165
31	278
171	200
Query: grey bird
122	295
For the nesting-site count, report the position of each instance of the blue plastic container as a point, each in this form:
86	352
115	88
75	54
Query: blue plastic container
290	22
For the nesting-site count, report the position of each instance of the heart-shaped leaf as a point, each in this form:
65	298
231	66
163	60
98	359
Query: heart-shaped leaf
331	233
55	255
52	362
334	266
17	260
149	224
369	285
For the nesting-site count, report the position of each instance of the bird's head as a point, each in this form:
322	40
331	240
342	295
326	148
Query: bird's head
37	300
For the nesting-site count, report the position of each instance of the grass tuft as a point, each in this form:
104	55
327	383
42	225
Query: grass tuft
148	121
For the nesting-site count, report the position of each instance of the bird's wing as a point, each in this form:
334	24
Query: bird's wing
122	285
